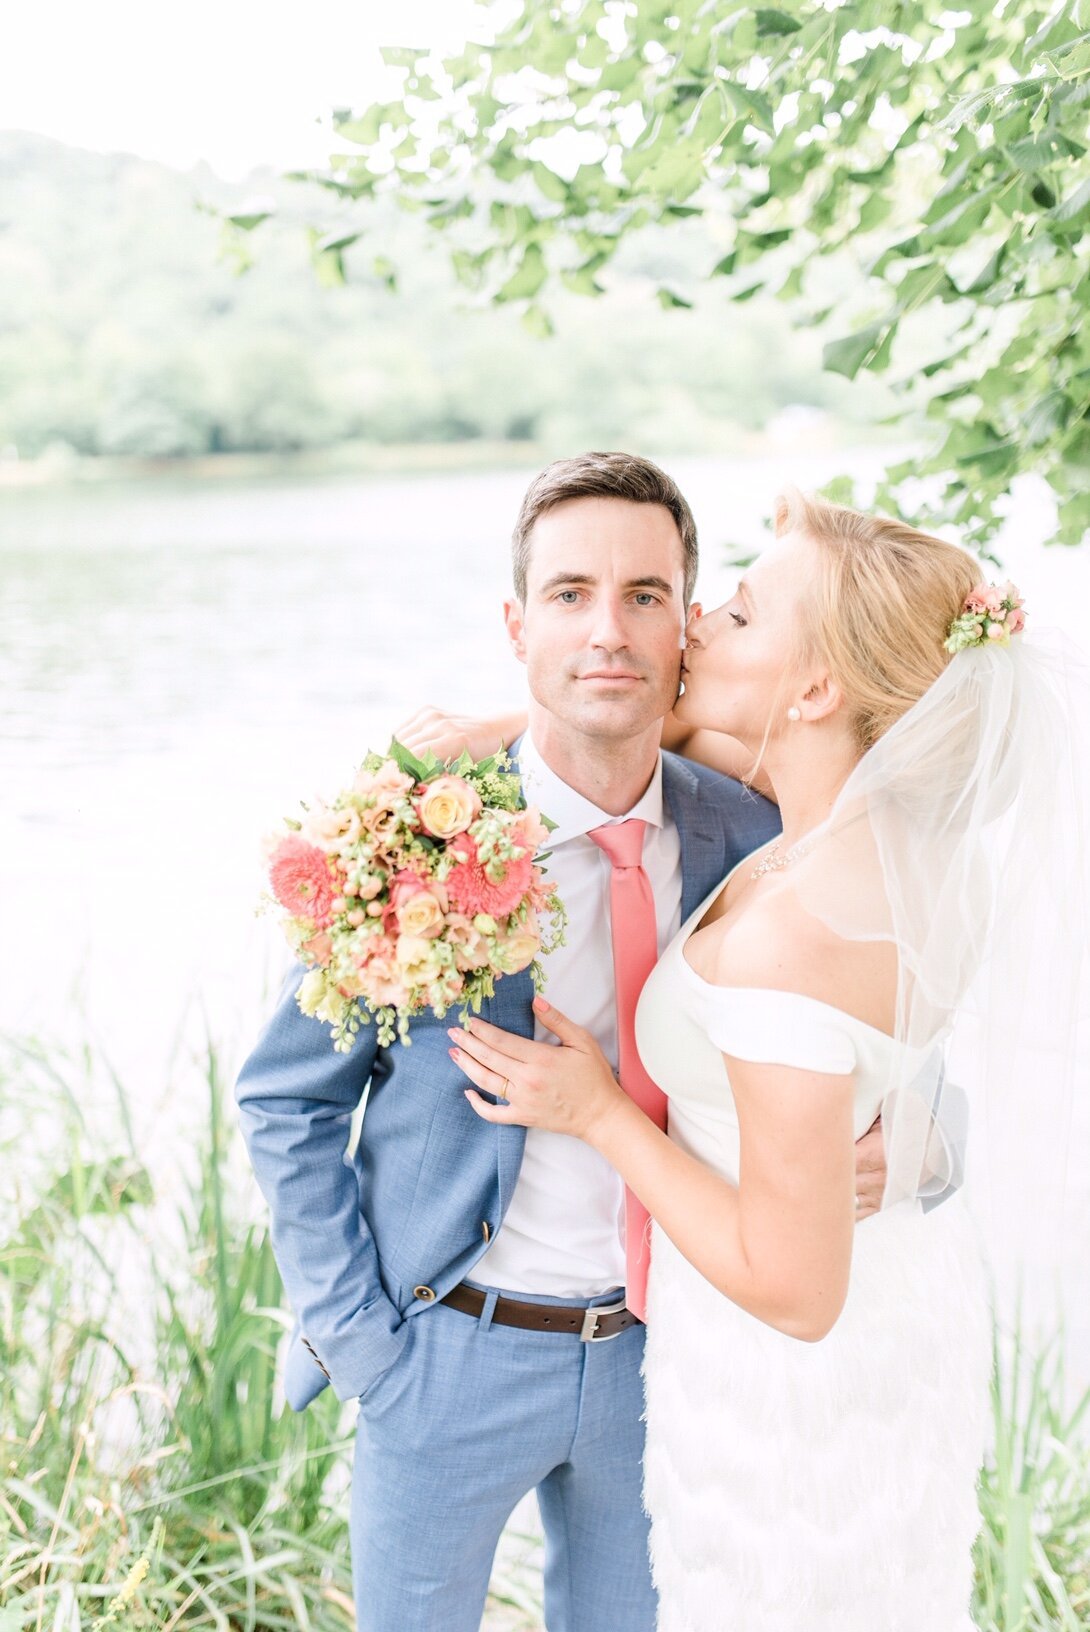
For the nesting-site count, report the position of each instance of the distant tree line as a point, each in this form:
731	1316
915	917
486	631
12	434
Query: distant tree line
124	331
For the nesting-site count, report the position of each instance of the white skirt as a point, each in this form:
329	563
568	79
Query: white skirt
826	1487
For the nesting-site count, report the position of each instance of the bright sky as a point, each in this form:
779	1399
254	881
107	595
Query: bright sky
237	82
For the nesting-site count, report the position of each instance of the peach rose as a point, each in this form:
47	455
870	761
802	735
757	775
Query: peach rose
414	956
517	950
447	806
420	914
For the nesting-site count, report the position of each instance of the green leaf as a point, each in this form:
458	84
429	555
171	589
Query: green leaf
1047	416
386	271
407	761
988	273
536	321
1072	59
401	56
246	222
1033	152
331	242
528	278
1075	204
771	23
667	299
752	105
847	356
550	185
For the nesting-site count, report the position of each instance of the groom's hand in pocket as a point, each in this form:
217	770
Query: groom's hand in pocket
870	1171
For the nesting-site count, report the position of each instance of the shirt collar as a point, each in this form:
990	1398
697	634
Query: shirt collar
573	814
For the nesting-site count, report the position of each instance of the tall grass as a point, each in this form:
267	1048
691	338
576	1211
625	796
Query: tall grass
149	1477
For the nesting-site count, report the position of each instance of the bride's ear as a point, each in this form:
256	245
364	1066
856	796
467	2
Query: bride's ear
516	628
821	700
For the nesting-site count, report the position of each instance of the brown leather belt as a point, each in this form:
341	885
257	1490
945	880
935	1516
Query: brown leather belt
594	1325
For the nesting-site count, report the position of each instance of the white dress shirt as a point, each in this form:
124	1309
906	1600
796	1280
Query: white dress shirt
563	1232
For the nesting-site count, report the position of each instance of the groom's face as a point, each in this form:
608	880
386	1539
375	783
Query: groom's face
602	628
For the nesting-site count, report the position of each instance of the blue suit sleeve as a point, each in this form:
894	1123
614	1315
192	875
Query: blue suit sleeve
296	1097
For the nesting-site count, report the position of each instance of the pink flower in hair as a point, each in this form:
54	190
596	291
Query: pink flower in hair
301	880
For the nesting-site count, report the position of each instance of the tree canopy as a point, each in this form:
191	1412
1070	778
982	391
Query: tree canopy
913	177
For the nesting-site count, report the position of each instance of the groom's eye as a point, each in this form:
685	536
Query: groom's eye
645	598
568	596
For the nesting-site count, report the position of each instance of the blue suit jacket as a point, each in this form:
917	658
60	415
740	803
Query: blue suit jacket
368	1240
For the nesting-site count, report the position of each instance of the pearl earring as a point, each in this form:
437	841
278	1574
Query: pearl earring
794	713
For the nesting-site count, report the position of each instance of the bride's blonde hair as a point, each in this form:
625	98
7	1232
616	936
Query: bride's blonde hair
886	598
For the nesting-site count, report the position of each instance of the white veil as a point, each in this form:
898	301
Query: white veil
962	837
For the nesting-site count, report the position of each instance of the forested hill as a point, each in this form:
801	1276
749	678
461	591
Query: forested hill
124	331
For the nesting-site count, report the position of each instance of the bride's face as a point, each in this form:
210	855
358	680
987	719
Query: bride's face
740	675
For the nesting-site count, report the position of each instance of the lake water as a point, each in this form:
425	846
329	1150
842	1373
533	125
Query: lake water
182	663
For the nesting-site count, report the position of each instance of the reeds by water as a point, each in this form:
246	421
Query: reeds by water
148	1476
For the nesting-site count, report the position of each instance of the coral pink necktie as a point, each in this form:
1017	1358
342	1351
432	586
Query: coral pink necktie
635	953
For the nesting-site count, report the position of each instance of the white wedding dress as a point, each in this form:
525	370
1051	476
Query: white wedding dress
798	1487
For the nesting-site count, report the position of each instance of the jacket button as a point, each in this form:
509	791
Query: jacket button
425	1293
486	1231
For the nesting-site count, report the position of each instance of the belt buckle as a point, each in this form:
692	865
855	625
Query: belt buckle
589	1334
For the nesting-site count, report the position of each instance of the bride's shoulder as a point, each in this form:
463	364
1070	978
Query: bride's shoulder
779	946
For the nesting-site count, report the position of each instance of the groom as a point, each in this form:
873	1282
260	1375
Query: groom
466	1280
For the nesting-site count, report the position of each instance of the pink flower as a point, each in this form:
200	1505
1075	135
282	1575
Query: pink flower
530	830
319	949
997	631
1016	621
380	979
472	891
385	786
301	880
470	946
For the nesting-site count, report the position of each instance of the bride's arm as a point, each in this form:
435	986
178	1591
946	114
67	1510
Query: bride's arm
447	734
780	1244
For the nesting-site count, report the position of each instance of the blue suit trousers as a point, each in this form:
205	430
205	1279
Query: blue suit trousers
471	1417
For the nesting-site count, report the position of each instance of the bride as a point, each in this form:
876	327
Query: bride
816	1393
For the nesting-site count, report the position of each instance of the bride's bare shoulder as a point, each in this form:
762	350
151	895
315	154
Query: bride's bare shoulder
778	945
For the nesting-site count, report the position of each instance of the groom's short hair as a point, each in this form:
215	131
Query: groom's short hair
604	476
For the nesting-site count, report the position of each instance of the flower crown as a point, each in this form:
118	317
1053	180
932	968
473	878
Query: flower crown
991	614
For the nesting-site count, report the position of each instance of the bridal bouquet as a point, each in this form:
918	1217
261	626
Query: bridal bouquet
414	888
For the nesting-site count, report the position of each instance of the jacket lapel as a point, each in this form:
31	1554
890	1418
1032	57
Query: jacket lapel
701	850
